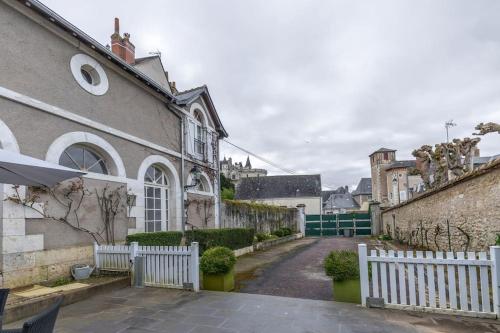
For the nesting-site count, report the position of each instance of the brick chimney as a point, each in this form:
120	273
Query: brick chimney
121	46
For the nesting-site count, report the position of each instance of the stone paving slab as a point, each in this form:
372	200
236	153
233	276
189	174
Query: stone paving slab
165	310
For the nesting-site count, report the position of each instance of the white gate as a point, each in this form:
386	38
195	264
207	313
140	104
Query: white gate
165	266
429	280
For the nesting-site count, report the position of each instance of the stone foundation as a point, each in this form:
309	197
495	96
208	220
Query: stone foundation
26	268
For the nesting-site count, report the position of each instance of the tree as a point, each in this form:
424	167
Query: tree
227	188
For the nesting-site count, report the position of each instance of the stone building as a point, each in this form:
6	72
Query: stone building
402	181
236	171
283	191
67	99
363	193
379	160
393	181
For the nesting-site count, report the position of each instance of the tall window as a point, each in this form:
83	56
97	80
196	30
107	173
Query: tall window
156	199
83	158
199	142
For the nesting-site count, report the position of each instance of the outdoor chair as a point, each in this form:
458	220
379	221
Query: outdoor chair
3	300
43	322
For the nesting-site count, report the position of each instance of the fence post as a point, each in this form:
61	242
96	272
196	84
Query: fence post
134	248
195	266
363	272
96	255
495	278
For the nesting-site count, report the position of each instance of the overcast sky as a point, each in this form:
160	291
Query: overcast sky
316	86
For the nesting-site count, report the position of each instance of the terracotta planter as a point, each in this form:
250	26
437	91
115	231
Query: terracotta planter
347	291
222	282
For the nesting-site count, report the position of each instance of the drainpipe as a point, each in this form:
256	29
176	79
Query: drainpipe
183	223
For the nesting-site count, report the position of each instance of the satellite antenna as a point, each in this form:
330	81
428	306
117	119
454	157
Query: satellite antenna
447	125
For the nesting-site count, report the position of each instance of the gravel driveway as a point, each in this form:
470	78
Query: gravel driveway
298	273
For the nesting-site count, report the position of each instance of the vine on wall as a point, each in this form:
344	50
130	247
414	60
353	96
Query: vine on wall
64	205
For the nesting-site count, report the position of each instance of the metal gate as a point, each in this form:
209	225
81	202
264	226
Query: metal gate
359	223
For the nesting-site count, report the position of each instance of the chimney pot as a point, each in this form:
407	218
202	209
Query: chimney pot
117	25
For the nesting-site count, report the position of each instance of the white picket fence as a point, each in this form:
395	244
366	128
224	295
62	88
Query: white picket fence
458	283
164	266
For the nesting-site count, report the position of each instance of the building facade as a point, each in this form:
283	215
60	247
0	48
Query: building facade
363	193
236	171
69	100
338	201
284	191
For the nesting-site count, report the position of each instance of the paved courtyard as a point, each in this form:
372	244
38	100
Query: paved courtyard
164	310
297	272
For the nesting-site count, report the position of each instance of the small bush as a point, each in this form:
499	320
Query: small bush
162	238
385	237
278	233
235	238
261	236
62	281
217	260
342	265
497	242
286	231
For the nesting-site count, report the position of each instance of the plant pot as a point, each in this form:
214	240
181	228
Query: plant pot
348	291
81	272
220	282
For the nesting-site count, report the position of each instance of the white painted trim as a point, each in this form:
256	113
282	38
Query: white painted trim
60	144
174	182
56	111
7	139
199	107
204	175
76	63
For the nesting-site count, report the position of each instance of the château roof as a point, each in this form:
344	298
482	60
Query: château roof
279	187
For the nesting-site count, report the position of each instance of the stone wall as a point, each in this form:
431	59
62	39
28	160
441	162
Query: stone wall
262	218
462	215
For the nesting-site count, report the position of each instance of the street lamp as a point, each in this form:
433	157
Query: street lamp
195	177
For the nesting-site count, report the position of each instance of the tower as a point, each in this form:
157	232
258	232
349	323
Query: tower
379	160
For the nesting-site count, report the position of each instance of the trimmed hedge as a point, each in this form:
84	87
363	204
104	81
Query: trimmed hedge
342	265
162	238
232	238
217	260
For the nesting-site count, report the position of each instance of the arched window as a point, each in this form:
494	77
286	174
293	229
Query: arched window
156	199
83	158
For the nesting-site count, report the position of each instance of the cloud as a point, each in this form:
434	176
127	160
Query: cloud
316	86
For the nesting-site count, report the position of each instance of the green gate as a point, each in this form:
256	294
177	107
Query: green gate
336	224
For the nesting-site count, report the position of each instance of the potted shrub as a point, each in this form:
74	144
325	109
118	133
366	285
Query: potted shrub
343	267
217	265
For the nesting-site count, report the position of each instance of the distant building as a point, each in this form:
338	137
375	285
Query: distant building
393	181
363	193
285	191
237	171
338	201
402	181
379	160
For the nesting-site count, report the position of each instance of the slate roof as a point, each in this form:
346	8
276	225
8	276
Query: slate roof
340	200
326	194
270	187
364	187
382	150
402	164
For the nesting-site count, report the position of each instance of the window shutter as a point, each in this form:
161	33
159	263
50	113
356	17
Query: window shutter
190	137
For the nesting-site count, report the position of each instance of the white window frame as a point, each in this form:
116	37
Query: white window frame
164	202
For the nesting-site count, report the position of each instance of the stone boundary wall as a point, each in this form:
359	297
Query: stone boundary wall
463	215
262	218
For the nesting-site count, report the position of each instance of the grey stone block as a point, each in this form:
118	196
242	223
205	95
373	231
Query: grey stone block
375	302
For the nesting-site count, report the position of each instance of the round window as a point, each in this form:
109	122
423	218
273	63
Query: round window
89	74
